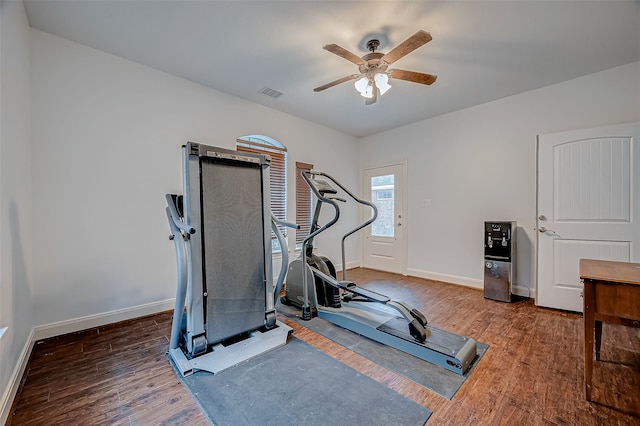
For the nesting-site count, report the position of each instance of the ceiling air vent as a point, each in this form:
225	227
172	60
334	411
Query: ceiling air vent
272	93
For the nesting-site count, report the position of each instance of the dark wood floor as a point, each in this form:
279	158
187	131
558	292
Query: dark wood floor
532	373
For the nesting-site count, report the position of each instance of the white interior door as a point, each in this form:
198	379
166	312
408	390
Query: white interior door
384	239
588	207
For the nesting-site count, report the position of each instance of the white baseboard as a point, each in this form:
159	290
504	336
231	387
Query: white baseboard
350	265
97	320
452	279
16	377
516	289
520	290
70	326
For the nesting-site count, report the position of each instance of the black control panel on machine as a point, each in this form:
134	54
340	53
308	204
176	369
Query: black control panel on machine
323	186
497	240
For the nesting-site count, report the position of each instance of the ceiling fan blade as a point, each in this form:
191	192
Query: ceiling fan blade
372	100
416	77
407	46
344	53
336	82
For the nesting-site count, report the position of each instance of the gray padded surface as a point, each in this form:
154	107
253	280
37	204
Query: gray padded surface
233	233
299	385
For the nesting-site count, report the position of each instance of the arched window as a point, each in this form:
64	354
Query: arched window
260	144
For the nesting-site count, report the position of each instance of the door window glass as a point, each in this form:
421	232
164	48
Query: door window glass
382	196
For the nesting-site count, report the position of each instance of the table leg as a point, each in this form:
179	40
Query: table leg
588	298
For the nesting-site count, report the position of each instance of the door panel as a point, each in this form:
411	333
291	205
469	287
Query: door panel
586	202
593	180
384	239
567	255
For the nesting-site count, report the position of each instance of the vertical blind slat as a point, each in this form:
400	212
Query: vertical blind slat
303	203
277	176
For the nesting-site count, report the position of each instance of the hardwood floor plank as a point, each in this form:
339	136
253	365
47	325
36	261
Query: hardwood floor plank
532	373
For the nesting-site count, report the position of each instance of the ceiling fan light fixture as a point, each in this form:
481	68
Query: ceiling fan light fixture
361	85
374	76
368	93
382	82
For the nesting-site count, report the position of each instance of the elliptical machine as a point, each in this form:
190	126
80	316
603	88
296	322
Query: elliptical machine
363	311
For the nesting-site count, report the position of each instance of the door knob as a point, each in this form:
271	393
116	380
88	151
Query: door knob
542	229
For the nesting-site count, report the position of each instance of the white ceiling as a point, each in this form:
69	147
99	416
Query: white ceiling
481	50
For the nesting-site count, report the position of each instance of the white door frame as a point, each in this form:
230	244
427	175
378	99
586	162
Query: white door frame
405	214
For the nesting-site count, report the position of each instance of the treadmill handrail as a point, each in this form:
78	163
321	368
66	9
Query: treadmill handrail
182	257
175	216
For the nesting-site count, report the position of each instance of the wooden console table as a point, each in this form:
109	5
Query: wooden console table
612	295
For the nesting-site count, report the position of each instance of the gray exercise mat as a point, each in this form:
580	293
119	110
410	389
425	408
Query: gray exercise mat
299	385
435	378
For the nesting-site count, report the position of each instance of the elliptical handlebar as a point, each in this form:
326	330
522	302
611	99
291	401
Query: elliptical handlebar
284	251
306	310
306	175
284	223
321	198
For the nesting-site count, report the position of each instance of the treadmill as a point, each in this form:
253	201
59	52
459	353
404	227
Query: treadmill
221	228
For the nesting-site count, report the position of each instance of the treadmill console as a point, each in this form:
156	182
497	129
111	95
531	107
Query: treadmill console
323	187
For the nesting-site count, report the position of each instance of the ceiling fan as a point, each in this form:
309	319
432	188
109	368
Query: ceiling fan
374	76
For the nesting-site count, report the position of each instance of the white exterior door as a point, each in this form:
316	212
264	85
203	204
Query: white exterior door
384	238
588	207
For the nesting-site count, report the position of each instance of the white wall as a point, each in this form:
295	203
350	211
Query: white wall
106	148
15	199
479	164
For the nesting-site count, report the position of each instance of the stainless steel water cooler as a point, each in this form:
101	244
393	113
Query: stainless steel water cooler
499	260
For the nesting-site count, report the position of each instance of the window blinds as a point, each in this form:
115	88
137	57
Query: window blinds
277	174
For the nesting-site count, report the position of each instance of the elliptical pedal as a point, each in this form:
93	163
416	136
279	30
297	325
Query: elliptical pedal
417	331
419	316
